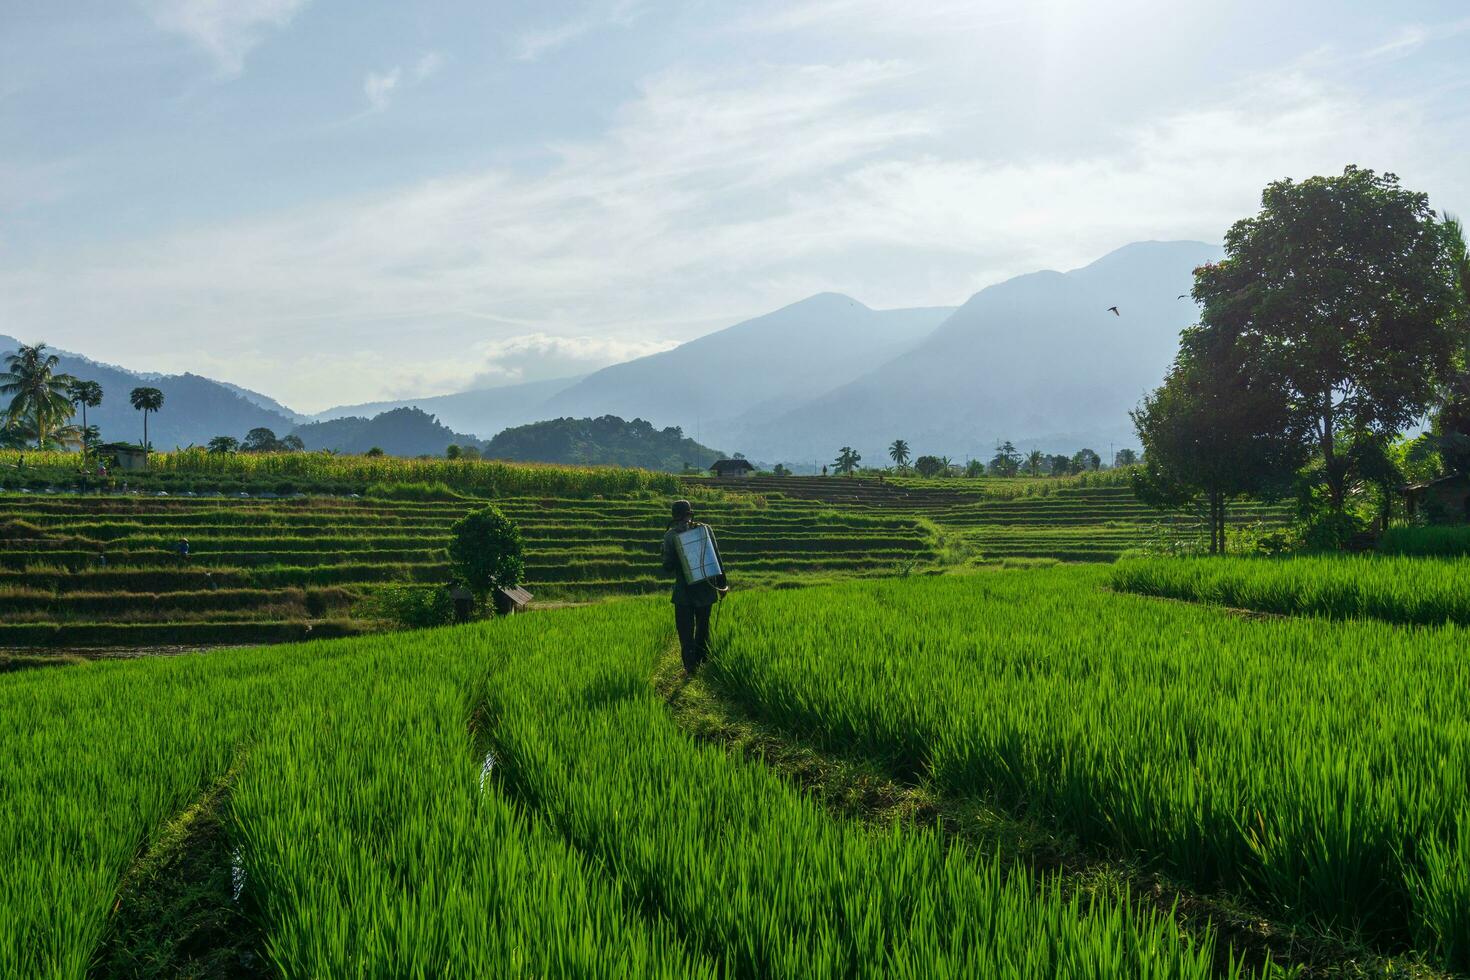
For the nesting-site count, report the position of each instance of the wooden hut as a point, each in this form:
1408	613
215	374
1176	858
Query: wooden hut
1446	500
510	600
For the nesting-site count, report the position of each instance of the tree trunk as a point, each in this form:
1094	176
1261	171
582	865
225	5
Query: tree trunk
145	428
1222	524
1335	491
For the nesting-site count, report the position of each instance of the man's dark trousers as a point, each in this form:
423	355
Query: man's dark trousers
693	624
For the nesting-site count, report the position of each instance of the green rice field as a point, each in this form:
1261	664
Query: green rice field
526	796
1424	591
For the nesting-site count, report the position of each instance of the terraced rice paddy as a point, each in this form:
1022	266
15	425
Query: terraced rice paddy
1069	520
103	570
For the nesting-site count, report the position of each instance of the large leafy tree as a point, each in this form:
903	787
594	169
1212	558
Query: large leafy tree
1059	465
899	453
1449	435
260	440
1215	430
85	395
38	393
1007	461
847	460
928	465
486	552
146	400
1035	462
223	445
1343	289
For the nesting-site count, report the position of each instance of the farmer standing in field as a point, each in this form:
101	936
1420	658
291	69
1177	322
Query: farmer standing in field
692	601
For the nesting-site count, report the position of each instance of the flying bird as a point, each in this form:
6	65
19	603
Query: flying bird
1114	311
1182	296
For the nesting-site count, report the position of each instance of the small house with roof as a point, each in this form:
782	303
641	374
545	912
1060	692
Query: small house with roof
129	457
1446	500
728	468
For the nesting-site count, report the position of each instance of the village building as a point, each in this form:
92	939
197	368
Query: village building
728	468
129	458
1446	500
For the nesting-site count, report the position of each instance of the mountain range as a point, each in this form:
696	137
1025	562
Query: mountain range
1039	359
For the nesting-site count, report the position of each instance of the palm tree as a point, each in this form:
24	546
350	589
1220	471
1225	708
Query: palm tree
223	445
38	392
87	394
899	453
847	460
1035	461
146	400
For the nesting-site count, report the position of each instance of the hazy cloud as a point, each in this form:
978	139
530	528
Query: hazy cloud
225	29
599	15
542	357
380	86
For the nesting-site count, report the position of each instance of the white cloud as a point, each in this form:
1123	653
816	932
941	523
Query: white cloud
710	196
542	357
428	64
225	29
599	15
379	86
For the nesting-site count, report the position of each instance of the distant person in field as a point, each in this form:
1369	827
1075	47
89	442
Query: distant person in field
183	548
692	602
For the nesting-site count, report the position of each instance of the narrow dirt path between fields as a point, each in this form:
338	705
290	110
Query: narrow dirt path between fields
178	912
860	788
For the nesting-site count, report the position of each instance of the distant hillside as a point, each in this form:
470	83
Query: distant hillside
606	440
195	409
484	411
1037	359
756	369
401	432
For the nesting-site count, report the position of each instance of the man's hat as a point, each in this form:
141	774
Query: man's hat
682	508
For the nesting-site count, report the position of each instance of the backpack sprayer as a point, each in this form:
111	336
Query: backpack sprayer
701	561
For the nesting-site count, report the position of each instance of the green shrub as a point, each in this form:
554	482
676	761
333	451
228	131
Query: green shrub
409	606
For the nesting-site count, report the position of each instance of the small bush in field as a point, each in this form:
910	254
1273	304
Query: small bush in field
409	606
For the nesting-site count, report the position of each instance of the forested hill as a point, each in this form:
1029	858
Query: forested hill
195	408
401	432
607	440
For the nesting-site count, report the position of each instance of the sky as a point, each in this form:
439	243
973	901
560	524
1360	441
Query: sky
333	201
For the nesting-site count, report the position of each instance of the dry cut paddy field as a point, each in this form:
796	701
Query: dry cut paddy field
1003	773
